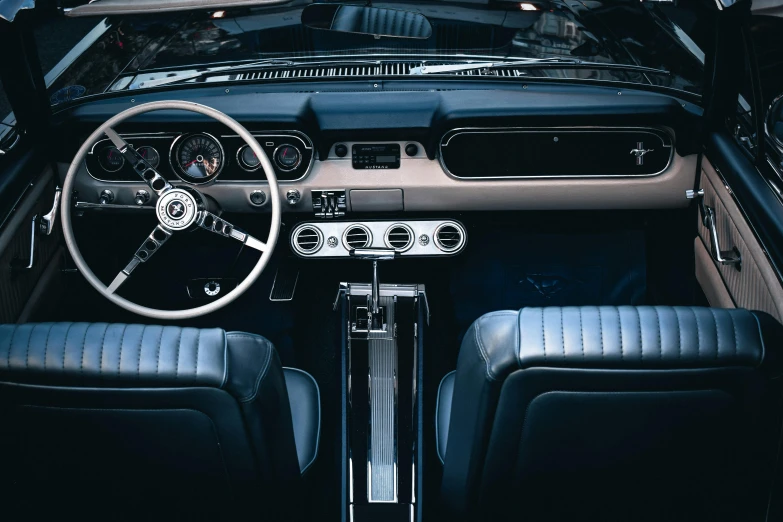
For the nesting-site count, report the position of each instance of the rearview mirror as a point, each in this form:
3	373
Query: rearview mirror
375	21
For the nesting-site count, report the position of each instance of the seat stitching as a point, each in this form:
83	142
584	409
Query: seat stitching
122	343
581	334
641	340
179	346
679	334
519	339
198	346
717	333
10	346
27	349
138	361
698	334
103	342
46	346
543	332
734	331
658	321
160	341
620	333
562	337
65	344
601	327
84	349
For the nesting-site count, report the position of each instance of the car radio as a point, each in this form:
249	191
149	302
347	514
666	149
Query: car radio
376	156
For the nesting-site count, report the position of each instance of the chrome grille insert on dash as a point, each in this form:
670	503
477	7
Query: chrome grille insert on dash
357	236
334	238
307	240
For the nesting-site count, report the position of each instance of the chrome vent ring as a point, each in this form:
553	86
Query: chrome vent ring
449	237
357	236
307	240
400	237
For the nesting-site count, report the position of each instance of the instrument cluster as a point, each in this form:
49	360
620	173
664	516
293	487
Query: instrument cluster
200	158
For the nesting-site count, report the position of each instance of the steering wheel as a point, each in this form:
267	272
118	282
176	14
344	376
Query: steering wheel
178	209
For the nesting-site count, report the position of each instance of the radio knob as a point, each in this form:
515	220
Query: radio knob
411	149
341	150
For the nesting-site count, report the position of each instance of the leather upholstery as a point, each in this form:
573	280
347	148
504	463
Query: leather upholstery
443	413
613	413
305	399
176	418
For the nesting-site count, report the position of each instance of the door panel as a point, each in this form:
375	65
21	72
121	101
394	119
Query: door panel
755	285
17	281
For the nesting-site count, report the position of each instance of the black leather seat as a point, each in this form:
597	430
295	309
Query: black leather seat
141	420
606	413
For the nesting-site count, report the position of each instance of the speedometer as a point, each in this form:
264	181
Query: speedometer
198	158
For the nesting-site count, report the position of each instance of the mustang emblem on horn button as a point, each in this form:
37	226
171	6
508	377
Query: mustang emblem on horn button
639	152
175	210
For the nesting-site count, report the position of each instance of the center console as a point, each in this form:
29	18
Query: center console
382	329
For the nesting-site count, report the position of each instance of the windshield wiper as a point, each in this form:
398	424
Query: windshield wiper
533	63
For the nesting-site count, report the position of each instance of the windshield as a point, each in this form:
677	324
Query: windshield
626	33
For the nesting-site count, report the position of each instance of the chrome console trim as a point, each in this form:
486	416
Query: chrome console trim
382	422
379	237
531	130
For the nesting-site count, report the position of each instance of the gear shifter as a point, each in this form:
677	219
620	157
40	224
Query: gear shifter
374	313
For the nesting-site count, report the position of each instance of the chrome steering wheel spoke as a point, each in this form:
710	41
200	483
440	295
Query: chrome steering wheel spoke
146	172
218	225
151	245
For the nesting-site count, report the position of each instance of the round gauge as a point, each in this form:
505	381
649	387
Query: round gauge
287	157
247	158
198	158
150	155
111	159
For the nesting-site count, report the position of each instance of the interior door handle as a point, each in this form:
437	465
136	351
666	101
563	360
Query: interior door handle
725	257
22	264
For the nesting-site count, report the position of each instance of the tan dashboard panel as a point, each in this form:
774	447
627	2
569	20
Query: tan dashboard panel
755	286
427	187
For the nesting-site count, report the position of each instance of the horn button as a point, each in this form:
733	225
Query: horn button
177	209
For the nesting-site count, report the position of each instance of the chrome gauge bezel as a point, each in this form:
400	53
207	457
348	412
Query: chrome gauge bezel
277	163
155	165
122	158
174	158
242	163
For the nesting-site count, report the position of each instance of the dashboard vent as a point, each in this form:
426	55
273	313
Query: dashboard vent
399	237
379	70
449	237
307	240
326	71
357	236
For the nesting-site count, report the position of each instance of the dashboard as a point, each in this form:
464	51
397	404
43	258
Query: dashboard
339	153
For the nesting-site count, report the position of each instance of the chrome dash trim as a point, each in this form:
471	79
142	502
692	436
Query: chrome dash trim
530	130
